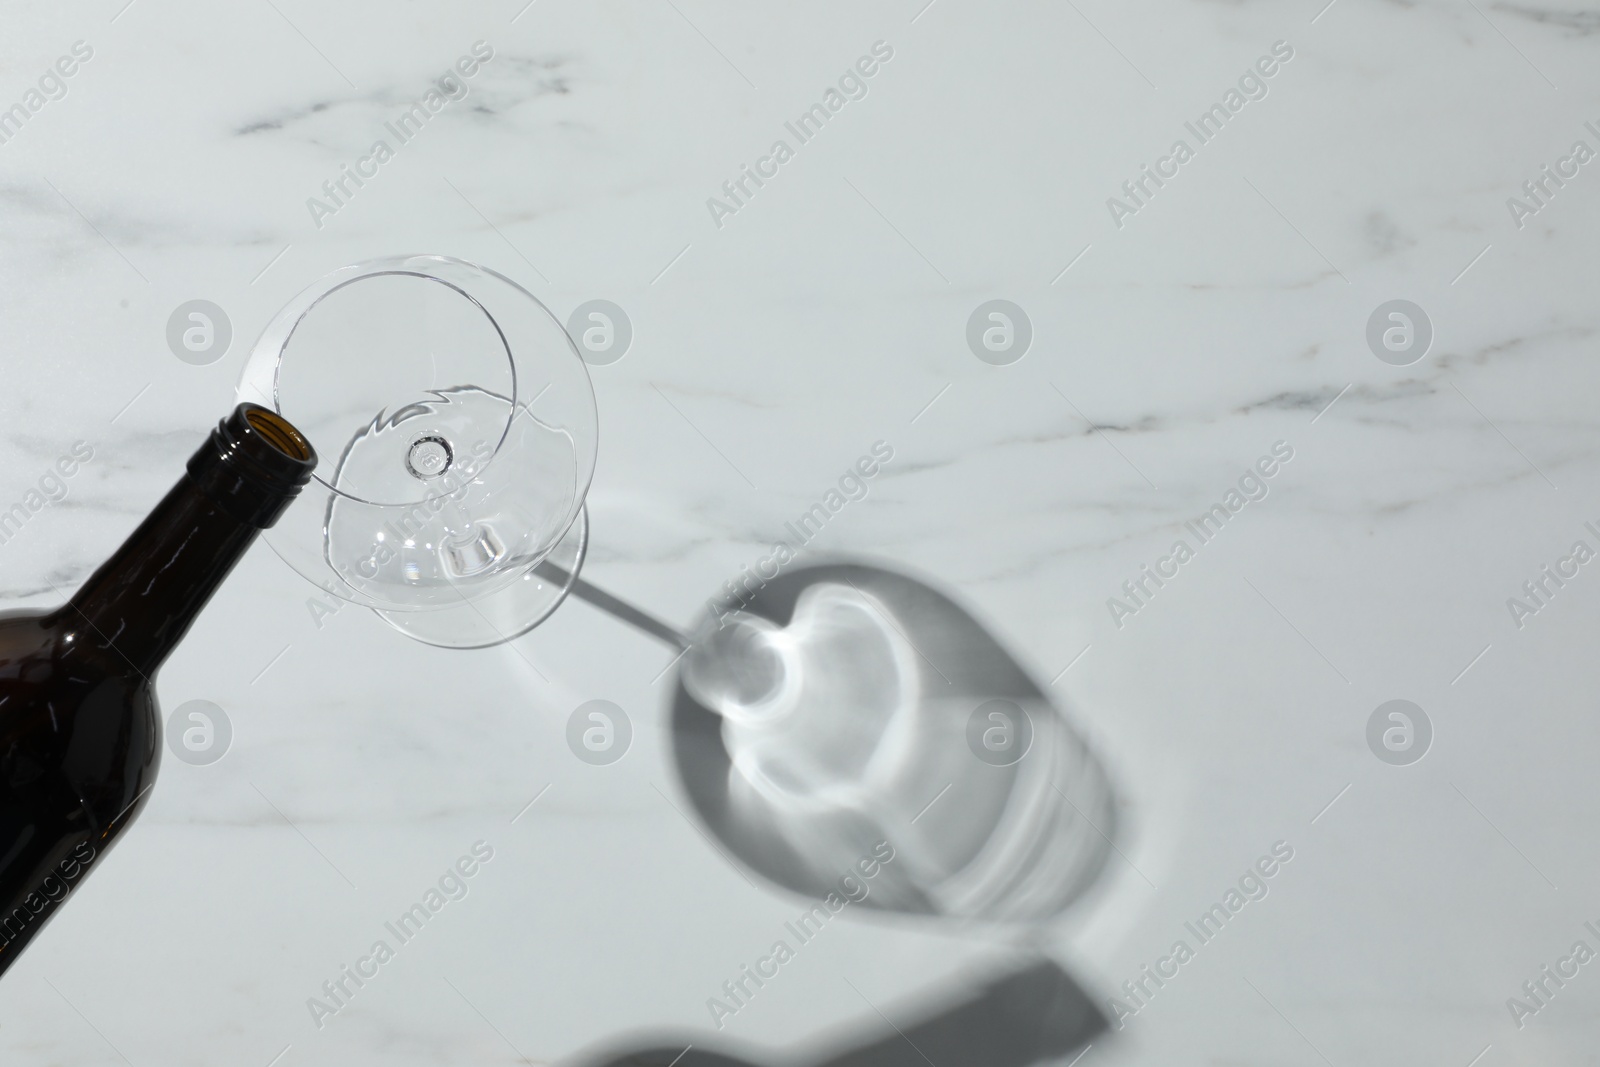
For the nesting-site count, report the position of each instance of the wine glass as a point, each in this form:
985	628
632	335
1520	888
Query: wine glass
457	427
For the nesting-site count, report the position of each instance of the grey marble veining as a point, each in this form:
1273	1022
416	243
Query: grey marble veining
1228	313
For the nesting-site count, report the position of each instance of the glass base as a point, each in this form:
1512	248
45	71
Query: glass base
509	613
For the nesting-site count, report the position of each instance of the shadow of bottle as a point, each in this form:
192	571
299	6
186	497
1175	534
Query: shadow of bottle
1034	1016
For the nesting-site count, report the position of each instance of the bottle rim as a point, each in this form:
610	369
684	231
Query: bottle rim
253	464
264	447
277	431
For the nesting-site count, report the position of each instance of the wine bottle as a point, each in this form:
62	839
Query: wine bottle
80	734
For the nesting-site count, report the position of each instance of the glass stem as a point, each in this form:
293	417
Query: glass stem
616	607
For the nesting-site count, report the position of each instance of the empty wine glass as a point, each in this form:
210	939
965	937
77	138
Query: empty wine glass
457	427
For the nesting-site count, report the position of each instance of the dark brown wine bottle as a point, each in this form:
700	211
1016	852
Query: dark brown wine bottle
80	735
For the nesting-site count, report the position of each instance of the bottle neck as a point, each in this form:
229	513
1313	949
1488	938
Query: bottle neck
139	604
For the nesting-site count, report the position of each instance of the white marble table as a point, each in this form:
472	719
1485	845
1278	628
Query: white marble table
1176	339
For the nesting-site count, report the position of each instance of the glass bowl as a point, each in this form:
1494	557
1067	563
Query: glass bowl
457	429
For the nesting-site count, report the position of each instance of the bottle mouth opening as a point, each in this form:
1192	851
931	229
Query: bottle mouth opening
276	431
263	445
254	464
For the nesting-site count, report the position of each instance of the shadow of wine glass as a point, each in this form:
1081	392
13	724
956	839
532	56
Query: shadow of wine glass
1015	840
1035	1015
1024	848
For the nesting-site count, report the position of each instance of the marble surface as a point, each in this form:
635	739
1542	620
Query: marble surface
1173	345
